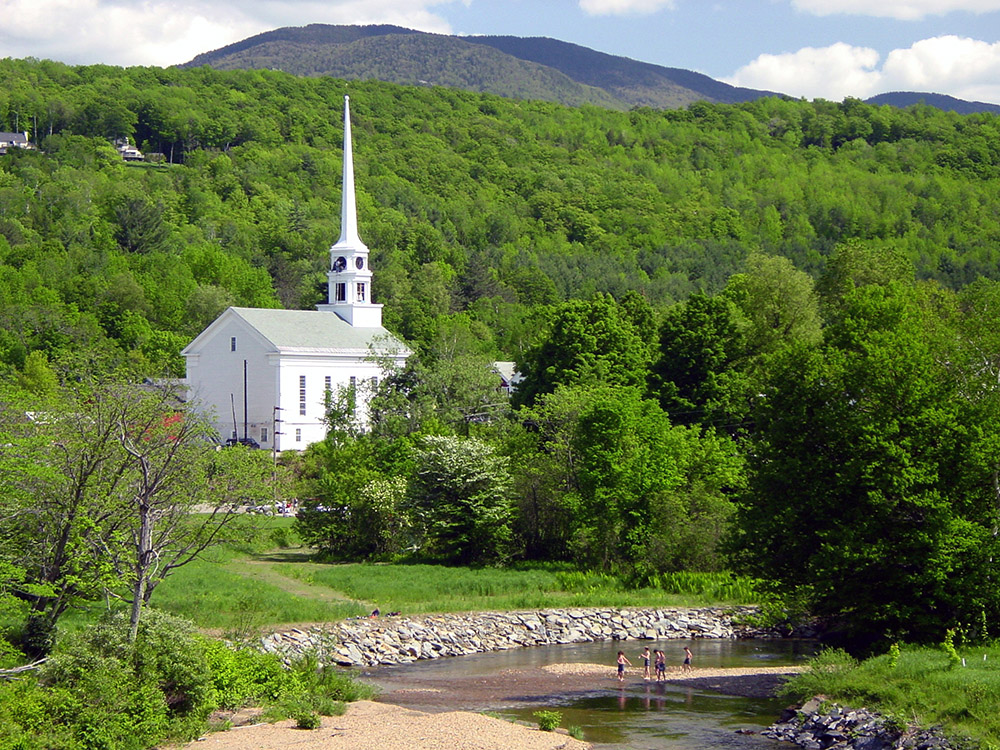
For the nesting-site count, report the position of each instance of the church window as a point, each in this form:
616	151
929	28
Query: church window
354	382
341	292
232	344
328	383
298	434
263	434
302	395
361	292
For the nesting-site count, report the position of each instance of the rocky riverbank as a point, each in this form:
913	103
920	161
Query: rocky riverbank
821	725
398	640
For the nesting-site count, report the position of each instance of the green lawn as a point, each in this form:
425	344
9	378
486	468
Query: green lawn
259	586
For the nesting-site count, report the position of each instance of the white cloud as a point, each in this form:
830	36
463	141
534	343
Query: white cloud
814	72
964	68
904	10
168	32
624	7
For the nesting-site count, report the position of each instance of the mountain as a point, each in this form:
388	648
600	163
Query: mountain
525	68
904	99
641	84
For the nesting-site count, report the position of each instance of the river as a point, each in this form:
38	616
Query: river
638	715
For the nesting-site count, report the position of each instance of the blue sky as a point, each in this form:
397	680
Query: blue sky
809	48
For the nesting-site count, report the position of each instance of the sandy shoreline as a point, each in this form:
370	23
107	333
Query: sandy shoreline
421	715
380	726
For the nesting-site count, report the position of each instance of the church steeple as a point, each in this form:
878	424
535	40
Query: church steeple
348	204
350	276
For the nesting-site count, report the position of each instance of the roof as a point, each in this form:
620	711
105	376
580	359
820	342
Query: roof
508	371
310	331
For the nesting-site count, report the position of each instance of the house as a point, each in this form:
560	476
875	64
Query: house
266	375
127	151
14	140
509	376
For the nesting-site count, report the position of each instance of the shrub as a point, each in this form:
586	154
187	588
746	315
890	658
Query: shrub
307	720
894	655
948	646
312	688
548	720
242	677
329	682
108	692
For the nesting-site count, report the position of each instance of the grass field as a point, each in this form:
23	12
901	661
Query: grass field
924	687
258	587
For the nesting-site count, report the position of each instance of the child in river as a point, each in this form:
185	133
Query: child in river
622	661
645	663
687	660
661	666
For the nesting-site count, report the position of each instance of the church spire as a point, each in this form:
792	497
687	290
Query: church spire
348	203
350	277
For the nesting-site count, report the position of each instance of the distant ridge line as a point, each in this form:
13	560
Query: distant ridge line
511	66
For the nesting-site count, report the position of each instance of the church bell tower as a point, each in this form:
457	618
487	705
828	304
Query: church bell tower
350	276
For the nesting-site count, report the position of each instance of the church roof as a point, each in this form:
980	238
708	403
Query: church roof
310	331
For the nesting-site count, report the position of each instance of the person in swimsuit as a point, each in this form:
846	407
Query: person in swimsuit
687	660
622	661
645	663
661	666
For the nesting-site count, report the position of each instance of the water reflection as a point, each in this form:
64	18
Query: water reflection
641	714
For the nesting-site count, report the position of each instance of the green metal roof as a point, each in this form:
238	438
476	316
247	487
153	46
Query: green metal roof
312	330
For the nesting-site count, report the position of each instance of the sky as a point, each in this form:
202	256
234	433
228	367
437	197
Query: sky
804	48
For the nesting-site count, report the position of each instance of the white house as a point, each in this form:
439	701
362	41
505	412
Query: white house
127	151
264	374
509	376
14	140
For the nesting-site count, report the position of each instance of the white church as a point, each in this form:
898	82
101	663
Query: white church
264	375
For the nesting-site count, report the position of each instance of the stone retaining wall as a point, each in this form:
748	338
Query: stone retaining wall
397	640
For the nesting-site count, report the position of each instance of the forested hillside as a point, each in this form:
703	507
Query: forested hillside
756	337
471	203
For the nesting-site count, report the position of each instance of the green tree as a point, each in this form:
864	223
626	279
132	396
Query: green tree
700	376
460	500
586	343
37	376
608	480
778	302
871	490
104	485
355	507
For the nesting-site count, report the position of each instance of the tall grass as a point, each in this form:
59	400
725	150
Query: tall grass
216	597
433	588
924	686
246	587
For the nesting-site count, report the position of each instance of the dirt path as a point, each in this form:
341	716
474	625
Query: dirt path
263	569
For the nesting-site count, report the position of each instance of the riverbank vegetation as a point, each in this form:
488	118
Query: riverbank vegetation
957	689
104	688
245	589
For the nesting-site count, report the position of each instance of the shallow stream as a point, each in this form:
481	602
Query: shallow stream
639	715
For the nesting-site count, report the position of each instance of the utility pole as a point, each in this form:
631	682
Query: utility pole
275	421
